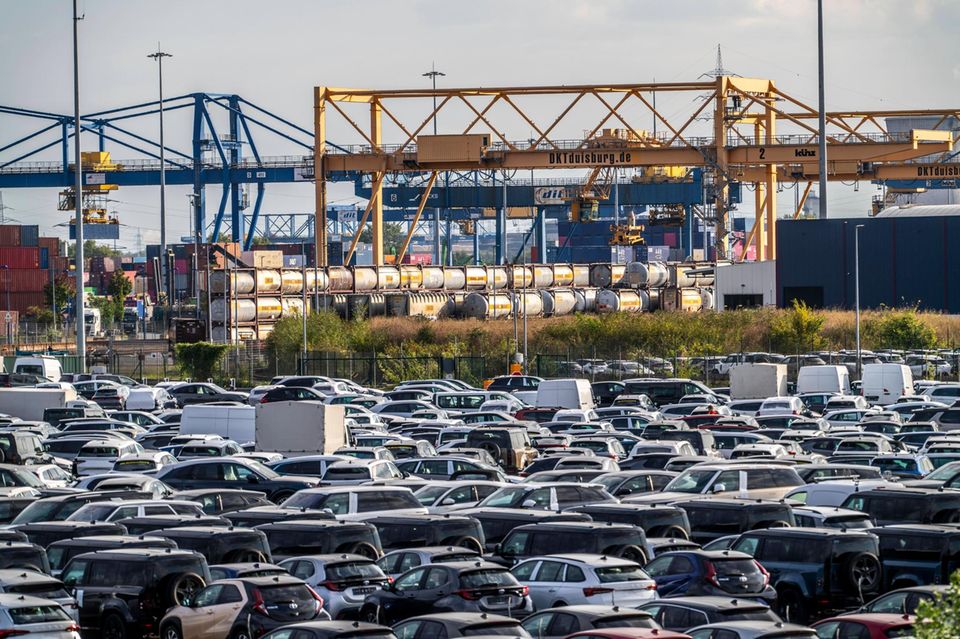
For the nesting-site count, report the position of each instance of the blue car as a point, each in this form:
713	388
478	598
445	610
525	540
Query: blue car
724	573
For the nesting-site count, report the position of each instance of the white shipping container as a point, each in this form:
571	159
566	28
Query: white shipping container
758	381
300	428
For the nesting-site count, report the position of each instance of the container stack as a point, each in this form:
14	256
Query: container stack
26	260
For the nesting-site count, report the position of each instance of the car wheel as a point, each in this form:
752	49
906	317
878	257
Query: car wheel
862	572
364	550
370	614
792	606
183	587
170	631
238	633
282	496
491	447
631	553
674	532
113	627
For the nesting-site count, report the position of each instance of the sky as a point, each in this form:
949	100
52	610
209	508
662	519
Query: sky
880	54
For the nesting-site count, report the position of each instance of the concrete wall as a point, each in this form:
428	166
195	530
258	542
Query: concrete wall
755	279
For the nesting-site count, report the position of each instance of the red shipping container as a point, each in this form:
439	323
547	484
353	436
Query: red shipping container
18	280
14	257
9	235
181	266
20	302
670	239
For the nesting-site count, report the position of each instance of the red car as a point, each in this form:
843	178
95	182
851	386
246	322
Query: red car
868	625
628	633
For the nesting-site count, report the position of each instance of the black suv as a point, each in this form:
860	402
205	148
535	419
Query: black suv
62	506
657	520
125	592
232	472
398	532
221	545
147	524
716	517
259	515
216	501
498	522
21	448
816	571
23	555
321	537
917	555
907	505
61	552
44	533
533	540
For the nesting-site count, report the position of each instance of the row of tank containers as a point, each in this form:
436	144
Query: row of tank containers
249	301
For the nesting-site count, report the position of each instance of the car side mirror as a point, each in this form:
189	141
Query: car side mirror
253	479
529	503
719	488
448	502
498	549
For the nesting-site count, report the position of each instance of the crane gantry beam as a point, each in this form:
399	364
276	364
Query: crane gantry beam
757	133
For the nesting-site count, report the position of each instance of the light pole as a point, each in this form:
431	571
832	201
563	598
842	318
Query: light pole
856	286
78	196
6	286
159	56
433	74
822	118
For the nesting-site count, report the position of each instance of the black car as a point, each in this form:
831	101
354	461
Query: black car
811	473
203	393
23	555
657	520
816	571
918	554
605	392
11	507
147	524
259	515
463	586
533	540
216	501
630	482
413	531
127	591
22	448
723	573
907	505
905	600
321	537
498	522
59	553
44	533
718	517
682	613
221	545
231	472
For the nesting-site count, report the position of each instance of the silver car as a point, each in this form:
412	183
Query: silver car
19	581
342	580
574	579
25	614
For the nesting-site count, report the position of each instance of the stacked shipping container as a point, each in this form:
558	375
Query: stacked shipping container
26	260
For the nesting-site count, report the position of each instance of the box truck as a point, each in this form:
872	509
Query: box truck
300	428
758	381
230	422
29	403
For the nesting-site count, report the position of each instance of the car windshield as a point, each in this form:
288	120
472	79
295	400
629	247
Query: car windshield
47	590
693	481
134	465
944	473
17	477
487	578
615	574
37	511
353	570
429	495
505	497
610	483
93	512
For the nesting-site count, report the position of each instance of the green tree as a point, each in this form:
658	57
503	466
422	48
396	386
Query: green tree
899	329
62	290
199	360
223	238
118	288
940	618
107	310
797	330
393	236
92	249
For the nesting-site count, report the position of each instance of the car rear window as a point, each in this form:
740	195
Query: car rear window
615	574
504	629
49	590
481	578
277	597
353	570
625	621
359	472
38	614
134	465
100	451
734	566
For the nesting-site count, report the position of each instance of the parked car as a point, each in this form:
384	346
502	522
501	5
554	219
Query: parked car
701	572
574	579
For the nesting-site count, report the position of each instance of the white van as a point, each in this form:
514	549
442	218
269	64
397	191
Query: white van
885	383
824	379
565	393
42	365
230	422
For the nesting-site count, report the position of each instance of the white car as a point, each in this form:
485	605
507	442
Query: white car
257	393
781	406
100	455
114	510
149	399
575	415
357	472
51	475
839	402
835	492
948	393
504	405
28	615
149	461
357	502
759	450
578	579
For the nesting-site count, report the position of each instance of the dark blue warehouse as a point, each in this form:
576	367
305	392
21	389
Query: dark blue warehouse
904	261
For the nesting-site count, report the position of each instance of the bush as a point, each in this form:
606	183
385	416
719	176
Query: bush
898	329
797	330
199	360
940	618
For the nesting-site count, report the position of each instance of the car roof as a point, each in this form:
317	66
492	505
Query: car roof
16	600
719	603
578	525
466	617
589	559
20	575
813	533
147	554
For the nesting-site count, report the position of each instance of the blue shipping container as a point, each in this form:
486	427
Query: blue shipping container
29	235
44	258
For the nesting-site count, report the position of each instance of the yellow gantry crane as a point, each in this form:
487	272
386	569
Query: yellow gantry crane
757	134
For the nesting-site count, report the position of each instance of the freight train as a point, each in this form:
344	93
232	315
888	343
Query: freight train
245	303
